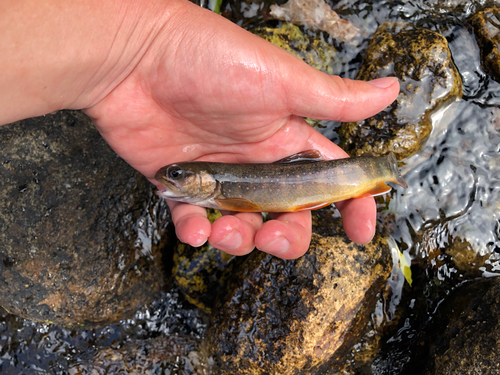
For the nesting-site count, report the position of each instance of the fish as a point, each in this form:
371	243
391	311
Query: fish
303	181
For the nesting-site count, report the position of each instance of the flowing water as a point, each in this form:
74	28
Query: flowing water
447	222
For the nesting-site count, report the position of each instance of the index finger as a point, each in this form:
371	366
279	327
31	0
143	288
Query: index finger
191	223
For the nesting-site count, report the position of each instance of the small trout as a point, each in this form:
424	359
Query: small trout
302	181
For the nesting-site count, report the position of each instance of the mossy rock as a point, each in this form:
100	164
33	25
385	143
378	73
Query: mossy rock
486	26
313	50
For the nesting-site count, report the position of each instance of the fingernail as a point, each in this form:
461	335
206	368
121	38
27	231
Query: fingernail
366	227
371	229
197	242
232	241
383	83
277	246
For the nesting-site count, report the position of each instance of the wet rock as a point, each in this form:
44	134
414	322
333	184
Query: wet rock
466	259
447	253
200	272
162	338
81	231
313	50
159	355
486	26
299	316
464	336
315	14
420	58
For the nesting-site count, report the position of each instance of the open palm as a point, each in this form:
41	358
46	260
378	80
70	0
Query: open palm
208	90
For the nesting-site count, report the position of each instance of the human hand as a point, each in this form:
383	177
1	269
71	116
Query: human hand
209	90
168	81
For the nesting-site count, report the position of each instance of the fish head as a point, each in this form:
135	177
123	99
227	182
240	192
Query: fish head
189	182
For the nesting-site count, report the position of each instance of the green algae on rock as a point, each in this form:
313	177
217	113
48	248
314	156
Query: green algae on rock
466	259
314	51
81	231
299	316
421	59
486	26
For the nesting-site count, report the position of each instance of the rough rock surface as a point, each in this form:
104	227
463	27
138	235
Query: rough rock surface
420	58
159	355
299	316
80	230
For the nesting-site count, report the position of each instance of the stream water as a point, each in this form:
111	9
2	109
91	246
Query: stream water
446	222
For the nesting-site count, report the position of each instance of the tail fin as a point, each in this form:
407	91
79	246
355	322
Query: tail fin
393	166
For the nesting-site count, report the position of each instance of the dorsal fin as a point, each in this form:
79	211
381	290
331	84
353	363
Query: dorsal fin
308	156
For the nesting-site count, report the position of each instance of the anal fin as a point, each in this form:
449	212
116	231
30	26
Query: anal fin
377	190
312	206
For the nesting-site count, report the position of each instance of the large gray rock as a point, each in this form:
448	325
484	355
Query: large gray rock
80	230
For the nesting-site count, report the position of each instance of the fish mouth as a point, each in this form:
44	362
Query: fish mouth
168	194
171	190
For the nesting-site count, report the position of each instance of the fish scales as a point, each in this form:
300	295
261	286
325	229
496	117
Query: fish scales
272	187
298	183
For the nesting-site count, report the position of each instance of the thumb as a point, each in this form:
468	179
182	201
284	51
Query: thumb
326	97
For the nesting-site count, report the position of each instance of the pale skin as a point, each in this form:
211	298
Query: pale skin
167	81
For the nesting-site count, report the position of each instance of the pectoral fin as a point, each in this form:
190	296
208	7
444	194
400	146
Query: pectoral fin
308	156
377	190
237	204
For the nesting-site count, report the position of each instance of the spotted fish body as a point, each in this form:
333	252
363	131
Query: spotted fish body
300	182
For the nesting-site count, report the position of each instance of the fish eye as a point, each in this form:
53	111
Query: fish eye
175	172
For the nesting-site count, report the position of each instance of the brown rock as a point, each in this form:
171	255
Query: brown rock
298	316
420	58
463	337
486	26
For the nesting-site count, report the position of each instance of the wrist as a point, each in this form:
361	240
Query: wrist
137	32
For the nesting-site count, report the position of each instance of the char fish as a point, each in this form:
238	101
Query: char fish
302	181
